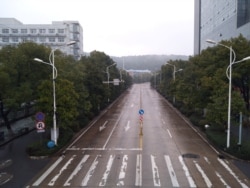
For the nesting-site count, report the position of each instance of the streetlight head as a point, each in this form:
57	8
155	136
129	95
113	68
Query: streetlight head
38	60
211	41
71	43
246	58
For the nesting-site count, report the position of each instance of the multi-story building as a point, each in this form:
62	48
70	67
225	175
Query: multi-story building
220	20
55	35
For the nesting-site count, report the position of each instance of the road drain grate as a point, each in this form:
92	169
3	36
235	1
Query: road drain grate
190	155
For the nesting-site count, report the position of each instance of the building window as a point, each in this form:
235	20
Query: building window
15	39
5	39
51	30
42	39
33	31
24	31
243	12
60	30
14	30
42	31
5	30
52	39
33	39
60	39
24	39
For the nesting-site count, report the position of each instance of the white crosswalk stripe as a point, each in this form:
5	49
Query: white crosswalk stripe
103	170
171	171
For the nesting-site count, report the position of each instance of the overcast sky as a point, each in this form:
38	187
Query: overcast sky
117	27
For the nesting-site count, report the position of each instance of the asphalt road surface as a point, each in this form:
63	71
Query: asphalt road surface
152	147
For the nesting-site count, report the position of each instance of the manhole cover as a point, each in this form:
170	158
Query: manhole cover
190	155
5	163
5	177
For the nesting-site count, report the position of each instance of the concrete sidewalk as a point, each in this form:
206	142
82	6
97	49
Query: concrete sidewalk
19	128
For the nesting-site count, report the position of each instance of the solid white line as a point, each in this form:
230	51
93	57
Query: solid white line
47	172
52	182
169	133
81	135
105	149
232	173
123	170
204	176
106	173
138	177
90	172
171	172
156	177
104	146
189	178
77	169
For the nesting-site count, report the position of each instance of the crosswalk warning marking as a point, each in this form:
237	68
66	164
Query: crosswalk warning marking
76	170
189	177
90	172
123	170
155	171
52	182
204	176
47	172
138	179
106	173
171	171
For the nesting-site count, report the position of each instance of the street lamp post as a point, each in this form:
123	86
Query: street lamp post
54	76
229	76
108	75
174	75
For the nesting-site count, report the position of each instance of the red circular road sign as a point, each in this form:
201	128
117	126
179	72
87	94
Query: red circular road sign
40	125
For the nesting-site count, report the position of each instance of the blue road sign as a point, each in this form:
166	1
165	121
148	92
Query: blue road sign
40	116
141	111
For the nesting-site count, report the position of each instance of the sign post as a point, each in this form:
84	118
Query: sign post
40	125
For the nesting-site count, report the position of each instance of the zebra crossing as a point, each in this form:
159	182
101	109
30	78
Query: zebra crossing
129	170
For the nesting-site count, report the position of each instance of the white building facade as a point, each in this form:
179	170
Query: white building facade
220	20
55	35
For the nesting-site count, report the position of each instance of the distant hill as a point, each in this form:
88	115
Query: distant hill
146	62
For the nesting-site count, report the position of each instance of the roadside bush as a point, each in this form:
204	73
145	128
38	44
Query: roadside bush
40	147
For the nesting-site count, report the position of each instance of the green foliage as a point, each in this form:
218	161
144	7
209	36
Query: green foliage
203	84
66	102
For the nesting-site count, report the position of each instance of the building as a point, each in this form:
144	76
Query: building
220	20
55	35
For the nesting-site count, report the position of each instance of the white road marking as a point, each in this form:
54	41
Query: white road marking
76	170
104	149
127	126
156	177
123	170
189	178
47	172
169	133
106	173
103	126
90	172
104	146
222	180
171	172
163	122
138	177
204	176
52	182
206	159
232	173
